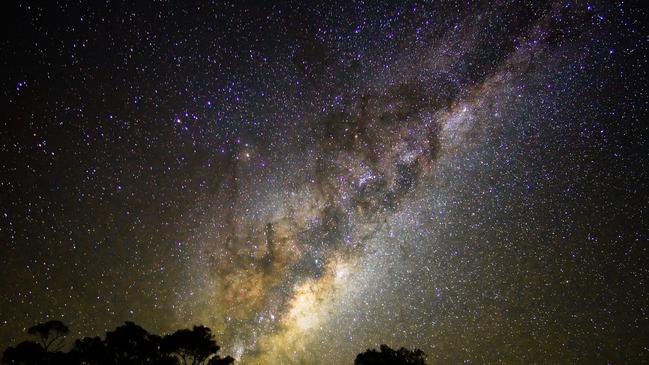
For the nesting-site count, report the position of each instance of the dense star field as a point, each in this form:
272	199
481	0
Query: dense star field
310	180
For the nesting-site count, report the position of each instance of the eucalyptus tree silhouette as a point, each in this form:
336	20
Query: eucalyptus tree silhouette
194	347
50	333
388	356
128	344
131	344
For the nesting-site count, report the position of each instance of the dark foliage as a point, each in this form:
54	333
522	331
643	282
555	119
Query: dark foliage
50	333
89	350
388	356
128	344
27	353
193	346
131	344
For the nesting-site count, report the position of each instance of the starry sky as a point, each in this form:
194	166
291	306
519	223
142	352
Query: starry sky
310	179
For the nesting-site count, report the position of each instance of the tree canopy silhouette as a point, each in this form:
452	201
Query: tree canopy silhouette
388	356
27	353
50	333
193	346
130	344
89	350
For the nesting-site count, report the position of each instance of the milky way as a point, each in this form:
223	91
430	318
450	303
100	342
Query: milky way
311	181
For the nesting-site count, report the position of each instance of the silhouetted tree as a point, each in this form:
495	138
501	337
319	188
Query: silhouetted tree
388	356
56	358
89	350
128	344
50	333
133	345
25	353
193	346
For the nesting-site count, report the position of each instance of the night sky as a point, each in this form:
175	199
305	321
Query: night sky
310	180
